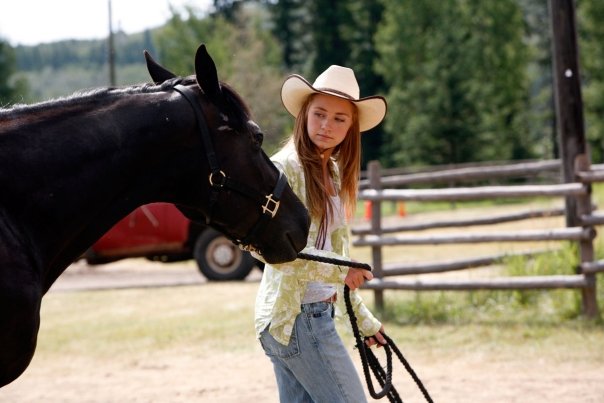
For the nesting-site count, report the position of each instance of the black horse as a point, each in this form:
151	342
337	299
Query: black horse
71	168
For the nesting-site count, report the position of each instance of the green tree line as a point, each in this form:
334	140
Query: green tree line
465	80
86	53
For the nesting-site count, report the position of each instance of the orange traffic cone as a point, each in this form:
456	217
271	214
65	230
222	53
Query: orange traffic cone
401	209
368	210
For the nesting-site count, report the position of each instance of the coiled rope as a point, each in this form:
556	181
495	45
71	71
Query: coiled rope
368	358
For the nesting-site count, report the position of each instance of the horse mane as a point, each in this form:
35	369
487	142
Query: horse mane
236	107
94	94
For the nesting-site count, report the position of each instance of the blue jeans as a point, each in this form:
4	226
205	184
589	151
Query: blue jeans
315	366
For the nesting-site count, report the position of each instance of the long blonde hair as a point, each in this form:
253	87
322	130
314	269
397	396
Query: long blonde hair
348	157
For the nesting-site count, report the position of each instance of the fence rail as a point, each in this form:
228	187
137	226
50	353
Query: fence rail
449	174
527	235
508	283
491	220
396	269
473	193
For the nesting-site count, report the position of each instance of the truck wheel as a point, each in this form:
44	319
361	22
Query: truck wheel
219	259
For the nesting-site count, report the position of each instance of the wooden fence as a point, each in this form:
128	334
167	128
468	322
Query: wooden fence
378	188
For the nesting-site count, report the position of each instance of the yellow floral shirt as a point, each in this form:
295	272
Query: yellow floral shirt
283	285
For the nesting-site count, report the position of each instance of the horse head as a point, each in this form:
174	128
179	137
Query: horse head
240	192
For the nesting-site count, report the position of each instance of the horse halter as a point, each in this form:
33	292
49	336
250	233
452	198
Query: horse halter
220	181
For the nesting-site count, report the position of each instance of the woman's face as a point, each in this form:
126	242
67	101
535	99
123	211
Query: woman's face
328	121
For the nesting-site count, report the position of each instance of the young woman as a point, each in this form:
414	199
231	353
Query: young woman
295	303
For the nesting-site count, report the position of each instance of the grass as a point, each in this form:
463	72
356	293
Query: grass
107	324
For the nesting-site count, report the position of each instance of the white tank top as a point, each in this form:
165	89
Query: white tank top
316	290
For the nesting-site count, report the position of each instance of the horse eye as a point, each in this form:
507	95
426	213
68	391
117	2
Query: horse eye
256	132
259	138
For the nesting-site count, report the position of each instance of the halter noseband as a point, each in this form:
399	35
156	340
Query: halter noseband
219	180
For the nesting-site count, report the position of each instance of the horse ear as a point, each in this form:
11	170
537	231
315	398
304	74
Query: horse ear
158	73
205	71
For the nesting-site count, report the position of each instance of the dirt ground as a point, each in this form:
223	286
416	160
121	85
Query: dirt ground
207	375
249	378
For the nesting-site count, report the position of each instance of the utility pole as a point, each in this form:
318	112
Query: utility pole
111	49
574	151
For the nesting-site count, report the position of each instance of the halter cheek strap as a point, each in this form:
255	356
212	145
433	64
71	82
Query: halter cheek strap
269	210
219	180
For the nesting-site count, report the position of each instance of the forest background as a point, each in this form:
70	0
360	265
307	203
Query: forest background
465	80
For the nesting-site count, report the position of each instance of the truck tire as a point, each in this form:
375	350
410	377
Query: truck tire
219	259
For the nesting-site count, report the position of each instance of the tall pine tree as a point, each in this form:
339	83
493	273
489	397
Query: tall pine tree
456	72
360	32
590	14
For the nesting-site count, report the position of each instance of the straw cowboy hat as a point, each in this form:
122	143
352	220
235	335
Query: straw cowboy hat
337	81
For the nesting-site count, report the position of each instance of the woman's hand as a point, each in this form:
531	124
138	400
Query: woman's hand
377	338
356	277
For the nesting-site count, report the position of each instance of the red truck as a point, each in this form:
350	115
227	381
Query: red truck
159	231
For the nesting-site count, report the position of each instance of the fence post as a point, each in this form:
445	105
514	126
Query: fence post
373	168
586	248
570	124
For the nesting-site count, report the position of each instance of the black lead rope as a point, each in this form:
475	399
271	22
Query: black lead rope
368	358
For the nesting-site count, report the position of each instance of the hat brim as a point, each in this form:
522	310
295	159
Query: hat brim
296	89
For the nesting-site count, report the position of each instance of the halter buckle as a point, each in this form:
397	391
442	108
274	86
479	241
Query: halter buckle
222	182
271	208
249	248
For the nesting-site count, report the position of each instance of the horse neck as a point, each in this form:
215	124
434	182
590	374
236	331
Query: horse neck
68	177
